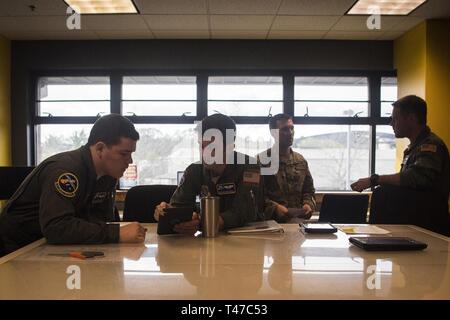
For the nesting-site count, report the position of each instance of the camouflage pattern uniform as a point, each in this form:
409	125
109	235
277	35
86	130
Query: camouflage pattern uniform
294	182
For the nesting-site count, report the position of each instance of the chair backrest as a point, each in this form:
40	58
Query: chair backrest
140	201
399	205
11	178
344	208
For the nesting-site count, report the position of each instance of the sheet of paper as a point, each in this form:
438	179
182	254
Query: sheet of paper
361	229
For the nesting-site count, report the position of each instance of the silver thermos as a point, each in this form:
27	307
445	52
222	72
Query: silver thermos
209	216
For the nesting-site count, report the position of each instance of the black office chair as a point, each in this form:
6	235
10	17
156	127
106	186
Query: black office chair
399	205
344	208
10	180
140	201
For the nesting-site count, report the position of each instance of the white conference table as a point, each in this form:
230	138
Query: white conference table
279	266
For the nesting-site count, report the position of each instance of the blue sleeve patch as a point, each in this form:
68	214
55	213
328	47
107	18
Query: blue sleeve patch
67	184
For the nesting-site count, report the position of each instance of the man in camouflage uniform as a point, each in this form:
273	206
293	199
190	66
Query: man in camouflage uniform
233	178
425	166
292	192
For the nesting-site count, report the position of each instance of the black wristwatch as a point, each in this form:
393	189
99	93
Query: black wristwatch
374	180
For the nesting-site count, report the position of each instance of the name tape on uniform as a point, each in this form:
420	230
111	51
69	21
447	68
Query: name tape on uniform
226	188
99	197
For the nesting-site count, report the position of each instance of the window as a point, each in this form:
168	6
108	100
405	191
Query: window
164	149
337	155
73	96
331	96
159	96
331	113
385	150
388	95
253	139
245	96
56	138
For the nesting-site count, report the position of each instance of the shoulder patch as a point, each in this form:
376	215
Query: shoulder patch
67	184
428	147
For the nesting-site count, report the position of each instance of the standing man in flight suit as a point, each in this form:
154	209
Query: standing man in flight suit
238	184
69	197
424	177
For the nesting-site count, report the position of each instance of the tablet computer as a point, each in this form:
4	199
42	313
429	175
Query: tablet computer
387	243
318	227
171	217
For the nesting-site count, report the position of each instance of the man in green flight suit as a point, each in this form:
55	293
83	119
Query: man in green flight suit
425	169
223	172
69	197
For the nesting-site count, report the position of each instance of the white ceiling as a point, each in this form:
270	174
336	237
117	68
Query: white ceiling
210	19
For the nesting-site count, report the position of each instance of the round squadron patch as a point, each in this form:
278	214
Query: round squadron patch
67	184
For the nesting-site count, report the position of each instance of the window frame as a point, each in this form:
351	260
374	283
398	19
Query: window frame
288	80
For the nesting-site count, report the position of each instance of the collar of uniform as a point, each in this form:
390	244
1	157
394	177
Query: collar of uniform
229	168
422	135
291	159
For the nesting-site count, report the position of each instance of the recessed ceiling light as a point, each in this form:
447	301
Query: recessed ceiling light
102	6
385	7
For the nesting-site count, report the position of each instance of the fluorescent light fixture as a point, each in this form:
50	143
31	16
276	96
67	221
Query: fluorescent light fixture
102	6
385	7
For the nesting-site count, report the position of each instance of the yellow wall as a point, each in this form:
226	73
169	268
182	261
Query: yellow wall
5	104
410	62
437	90
422	60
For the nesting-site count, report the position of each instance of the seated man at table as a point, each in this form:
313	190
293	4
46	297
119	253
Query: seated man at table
293	195
223	172
69	197
424	177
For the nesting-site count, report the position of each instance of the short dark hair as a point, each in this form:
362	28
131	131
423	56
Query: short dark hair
110	128
413	104
220	122
278	117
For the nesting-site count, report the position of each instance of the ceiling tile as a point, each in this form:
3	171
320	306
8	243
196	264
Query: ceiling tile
42	7
359	23
181	34
407	23
171	6
114	22
124	34
238	34
289	34
50	35
391	35
315	7
243	6
43	23
433	9
304	22
177	22
353	35
240	22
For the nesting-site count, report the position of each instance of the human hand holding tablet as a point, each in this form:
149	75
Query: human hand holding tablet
173	216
